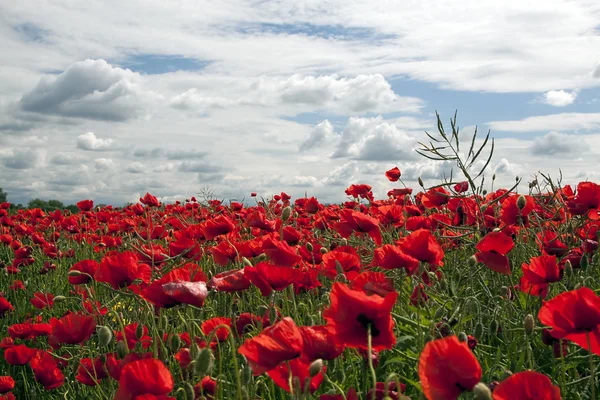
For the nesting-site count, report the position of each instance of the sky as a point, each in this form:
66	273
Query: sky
110	100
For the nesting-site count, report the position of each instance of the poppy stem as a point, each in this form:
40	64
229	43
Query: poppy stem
592	366
371	368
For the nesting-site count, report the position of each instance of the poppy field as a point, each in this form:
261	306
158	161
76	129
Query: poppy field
443	291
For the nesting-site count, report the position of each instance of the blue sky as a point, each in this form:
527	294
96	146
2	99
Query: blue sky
113	99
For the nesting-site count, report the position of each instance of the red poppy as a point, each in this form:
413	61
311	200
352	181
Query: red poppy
435	198
527	385
461	187
281	253
211	324
422	245
19	354
247	322
42	300
361	190
392	257
373	283
5	306
512	215
73	328
574	316
230	281
418	296
274	345
352	313
150	200
132	337
144	377
7	383
180	286
85	205
532	289
447	368
46	371
393	174
299	372
268	277
541	270
493	249
319	343
354	221
220	225
333	260
121	269
223	253
91	371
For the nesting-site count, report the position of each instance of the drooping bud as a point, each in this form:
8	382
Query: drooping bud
122	349
74	273
105	336
568	268
246	262
315	367
472	261
175	343
286	213
323	250
139	331
188	389
462	337
478	332
584	262
529	324
204	362
421	182
521	202
481	391
309	246
59	299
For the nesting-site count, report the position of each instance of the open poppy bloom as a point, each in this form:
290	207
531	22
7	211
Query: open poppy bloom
493	249
352	314
574	316
144	377
393	174
299	371
447	367
527	385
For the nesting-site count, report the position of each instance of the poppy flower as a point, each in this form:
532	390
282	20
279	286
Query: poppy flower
121	269
447	368
274	345
493	249
73	328
461	187
423	245
91	371
5	306
220	225
418	297
85	205
527	385
211	324
268	277
42	300
281	253
180	286
574	316
223	253
392	257
512	215
246	322
7	383
46	371
541	270
150	200
319	343
19	354
131	336
144	377
532	289
357	190
299	370
230	281
373	283
348	261
393	391
353	313
355	221
393	174
435	198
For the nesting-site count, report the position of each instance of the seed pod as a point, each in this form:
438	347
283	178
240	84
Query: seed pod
481	391
204	362
529	324
105	336
521	202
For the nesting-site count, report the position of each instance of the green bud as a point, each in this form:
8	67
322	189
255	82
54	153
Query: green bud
568	268
309	246
481	391
462	337
344	242
478	332
584	262
74	273
529	324
323	250
286	213
175	343
493	327
338	268
472	261
59	299
246	262
204	362
139	331
122	350
105	336
421	182
439	313
188	389
194	351
521	202
315	368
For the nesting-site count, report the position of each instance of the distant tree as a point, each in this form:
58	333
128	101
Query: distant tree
55	205
37	203
73	208
2	196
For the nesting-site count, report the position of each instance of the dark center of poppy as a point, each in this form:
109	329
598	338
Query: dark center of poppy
366	322
461	387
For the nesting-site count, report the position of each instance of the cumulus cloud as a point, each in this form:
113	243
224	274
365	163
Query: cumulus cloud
136	168
507	168
192	99
560	98
557	143
159	152
322	133
198	166
90	89
341	175
373	139
21	158
103	164
89	141
559	122
66	159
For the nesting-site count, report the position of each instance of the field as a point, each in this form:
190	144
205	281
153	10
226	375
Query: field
456	290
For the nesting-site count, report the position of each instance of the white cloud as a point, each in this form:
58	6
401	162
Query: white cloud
559	122
560	98
89	141
21	158
320	134
558	143
66	159
103	164
87	89
136	168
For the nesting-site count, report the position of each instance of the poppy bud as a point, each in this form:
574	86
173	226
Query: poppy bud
194	351
494	177
309	246
344	242
478	332
139	331
165	321
262	257
568	268
493	327
516	179
105	336
247	375
122	349
204	362
286	213
246	262
529	324
421	182
481	391
439	313
484	192
74	273
188	389
462	337
175	343
323	250
594	262
59	299
521	202
315	368
584	262
472	261
338	268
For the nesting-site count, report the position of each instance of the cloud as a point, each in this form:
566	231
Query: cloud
320	134
89	141
192	99
198	166
21	158
559	122
103	164
159	152
66	159
558	143
372	139
91	89
507	168
136	168
560	98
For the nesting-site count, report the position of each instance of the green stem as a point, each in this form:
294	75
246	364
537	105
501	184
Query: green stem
370	356
592	366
